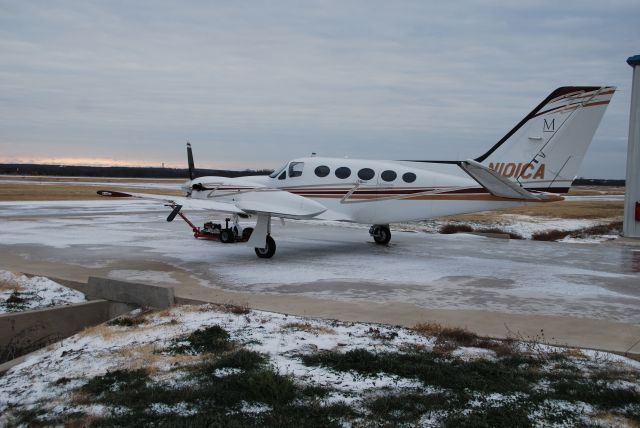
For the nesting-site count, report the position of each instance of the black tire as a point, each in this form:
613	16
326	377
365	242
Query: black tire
268	251
246	233
382	235
227	236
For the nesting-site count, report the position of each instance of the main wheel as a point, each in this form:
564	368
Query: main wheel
381	234
227	236
268	251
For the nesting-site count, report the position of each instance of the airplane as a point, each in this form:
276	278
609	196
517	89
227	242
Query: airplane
534	162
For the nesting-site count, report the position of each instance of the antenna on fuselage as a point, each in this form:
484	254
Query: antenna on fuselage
190	161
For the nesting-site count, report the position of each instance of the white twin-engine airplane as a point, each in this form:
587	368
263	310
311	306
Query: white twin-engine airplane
533	163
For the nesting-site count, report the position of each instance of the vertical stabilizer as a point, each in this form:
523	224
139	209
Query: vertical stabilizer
545	150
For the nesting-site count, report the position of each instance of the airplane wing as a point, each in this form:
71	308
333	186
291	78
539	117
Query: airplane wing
501	186
176	200
262	201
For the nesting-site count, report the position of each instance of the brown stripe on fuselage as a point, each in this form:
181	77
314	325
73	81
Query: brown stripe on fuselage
440	197
385	192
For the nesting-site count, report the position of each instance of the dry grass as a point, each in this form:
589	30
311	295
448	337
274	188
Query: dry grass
456	335
600	229
107	332
591	210
308	328
502	347
238	309
512	235
10	285
450	338
596	190
141	357
574	353
451	228
149	358
64	192
48	179
550	235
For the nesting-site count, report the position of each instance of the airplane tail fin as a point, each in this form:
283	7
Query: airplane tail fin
544	151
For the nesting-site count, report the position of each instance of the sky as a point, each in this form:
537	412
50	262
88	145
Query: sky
252	84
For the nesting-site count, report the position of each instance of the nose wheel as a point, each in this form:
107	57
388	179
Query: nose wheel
381	233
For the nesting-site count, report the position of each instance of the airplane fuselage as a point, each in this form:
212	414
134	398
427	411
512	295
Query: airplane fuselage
365	191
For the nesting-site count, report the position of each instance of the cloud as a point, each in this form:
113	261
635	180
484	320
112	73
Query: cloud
259	82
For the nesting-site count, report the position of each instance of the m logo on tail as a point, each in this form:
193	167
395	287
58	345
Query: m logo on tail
549	126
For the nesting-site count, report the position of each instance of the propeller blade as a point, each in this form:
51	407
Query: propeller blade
190	160
174	213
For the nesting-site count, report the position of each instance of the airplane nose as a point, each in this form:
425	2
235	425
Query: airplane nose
186	186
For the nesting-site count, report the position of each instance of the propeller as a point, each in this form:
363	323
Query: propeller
190	160
174	213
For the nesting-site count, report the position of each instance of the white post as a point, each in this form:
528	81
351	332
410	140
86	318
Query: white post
632	193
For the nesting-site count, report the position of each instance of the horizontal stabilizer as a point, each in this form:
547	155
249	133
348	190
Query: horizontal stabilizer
501	186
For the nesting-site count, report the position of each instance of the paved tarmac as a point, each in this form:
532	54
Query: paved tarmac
579	294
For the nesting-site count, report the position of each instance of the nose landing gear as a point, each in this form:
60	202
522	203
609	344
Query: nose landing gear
381	233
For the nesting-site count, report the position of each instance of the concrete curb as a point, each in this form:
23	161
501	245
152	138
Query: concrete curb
130	292
27	331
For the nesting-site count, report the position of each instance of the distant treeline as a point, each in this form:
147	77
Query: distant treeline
118	171
148	172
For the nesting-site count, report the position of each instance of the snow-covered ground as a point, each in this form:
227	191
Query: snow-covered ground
21	293
46	381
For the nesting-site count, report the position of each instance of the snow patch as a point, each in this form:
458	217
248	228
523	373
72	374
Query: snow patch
33	293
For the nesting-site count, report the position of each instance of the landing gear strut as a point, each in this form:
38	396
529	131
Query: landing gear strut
261	240
381	233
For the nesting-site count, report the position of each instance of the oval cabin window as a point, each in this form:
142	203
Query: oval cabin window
388	175
343	172
409	177
322	171
366	174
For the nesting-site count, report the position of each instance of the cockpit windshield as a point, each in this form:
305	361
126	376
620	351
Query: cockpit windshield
295	169
277	172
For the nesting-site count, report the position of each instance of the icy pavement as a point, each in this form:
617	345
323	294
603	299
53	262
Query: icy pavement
123	239
21	293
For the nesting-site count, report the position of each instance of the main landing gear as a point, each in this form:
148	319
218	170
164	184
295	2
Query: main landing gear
268	251
381	233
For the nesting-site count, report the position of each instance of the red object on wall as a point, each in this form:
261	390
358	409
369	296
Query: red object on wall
637	211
